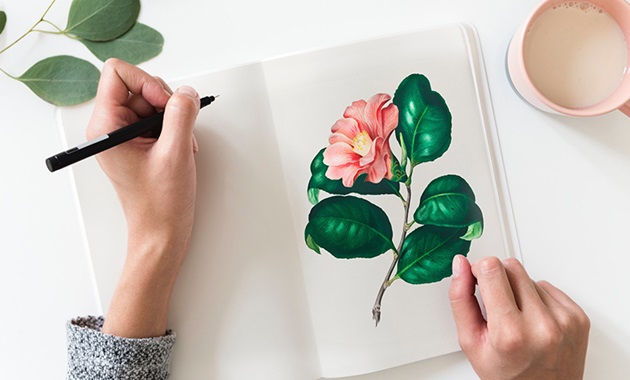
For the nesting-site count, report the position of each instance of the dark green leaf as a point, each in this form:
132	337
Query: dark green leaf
348	228
427	254
424	121
3	20
62	80
101	20
319	181
139	44
448	201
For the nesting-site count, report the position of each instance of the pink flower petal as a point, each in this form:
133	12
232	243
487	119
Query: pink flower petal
339	154
369	158
379	169
356	111
339	138
347	127
373	113
390	119
347	173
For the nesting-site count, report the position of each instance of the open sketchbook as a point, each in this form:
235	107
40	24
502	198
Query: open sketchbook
252	300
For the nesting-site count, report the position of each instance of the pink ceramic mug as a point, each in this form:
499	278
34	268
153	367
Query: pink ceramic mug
532	57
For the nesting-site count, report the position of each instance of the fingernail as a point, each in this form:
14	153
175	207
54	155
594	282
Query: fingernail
457	265
187	90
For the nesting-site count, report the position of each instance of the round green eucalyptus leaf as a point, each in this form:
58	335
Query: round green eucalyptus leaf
138	45
319	181
448	201
348	228
101	20
427	254
62	80
3	20
424	120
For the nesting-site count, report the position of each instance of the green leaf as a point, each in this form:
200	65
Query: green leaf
475	231
313	195
401	141
310	242
62	80
427	254
319	181
101	20
398	173
139	44
448	201
3	20
424	120
348	228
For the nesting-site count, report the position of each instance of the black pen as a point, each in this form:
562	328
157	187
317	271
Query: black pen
152	124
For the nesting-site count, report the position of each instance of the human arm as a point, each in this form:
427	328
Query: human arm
155	182
532	330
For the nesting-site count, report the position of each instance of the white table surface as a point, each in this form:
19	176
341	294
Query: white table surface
569	178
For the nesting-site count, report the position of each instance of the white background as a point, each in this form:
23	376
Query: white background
569	178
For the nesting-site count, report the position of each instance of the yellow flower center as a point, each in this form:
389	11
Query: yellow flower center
362	143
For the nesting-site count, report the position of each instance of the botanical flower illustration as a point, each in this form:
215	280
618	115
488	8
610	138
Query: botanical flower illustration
359	142
359	161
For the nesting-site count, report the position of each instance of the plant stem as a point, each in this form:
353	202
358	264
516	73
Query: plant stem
7	74
376	310
41	19
59	30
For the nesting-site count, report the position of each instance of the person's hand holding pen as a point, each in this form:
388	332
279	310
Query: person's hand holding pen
155	181
532	330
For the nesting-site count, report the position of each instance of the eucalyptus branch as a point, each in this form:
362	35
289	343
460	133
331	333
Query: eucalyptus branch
47	31
7	74
59	30
41	19
376	309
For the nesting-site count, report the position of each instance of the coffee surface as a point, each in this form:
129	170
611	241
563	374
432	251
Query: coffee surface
575	54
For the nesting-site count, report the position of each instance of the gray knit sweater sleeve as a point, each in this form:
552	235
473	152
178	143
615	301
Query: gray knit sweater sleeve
93	355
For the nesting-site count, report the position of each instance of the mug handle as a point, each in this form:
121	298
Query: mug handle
625	109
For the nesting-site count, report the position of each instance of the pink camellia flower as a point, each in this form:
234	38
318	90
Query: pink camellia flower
359	142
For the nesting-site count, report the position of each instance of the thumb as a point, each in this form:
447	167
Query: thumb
464	305
179	118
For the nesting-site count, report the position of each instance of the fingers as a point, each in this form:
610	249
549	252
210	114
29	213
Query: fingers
125	94
165	85
119	78
466	310
556	294
525	293
141	106
179	118
569	315
495	288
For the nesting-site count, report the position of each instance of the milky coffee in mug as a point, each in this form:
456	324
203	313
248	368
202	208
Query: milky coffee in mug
571	57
